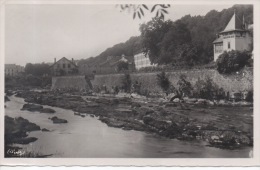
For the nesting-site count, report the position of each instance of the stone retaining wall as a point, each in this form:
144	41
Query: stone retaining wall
238	82
75	82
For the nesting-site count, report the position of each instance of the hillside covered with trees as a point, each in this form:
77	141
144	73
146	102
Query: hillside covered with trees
187	41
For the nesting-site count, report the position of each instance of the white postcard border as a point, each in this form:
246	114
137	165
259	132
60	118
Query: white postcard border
255	161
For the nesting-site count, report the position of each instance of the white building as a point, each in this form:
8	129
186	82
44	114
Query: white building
13	69
236	36
142	61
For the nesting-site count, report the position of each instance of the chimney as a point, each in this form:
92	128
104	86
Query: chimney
54	60
72	60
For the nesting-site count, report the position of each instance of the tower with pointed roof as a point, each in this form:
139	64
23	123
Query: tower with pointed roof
236	36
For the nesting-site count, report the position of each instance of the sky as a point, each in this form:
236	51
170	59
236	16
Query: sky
40	33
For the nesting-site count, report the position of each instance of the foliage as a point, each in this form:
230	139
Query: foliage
128	48
152	34
205	89
122	66
185	42
37	69
126	83
164	82
185	87
28	81
136	87
250	96
139	10
33	80
232	61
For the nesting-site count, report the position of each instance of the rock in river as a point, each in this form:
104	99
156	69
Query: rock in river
32	107
58	120
47	110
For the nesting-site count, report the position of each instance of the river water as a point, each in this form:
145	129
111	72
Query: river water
89	138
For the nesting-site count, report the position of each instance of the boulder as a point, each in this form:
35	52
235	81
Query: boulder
170	105
57	120
120	94
45	130
6	98
157	123
47	110
93	105
24	141
134	104
171	96
176	100
189	100
201	101
137	96
32	107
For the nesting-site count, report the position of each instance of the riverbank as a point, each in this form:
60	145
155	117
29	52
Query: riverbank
223	127
16	132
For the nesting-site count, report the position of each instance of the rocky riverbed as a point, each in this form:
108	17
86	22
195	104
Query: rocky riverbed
16	132
224	126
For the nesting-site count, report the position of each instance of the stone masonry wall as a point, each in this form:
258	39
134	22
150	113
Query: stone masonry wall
78	82
238	82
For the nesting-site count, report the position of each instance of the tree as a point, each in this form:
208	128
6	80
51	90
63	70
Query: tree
29	68
232	61
164	82
175	44
37	69
152	34
187	41
139	10
122	66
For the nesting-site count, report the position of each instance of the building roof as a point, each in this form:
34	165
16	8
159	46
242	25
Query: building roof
13	66
235	24
111	61
218	40
65	59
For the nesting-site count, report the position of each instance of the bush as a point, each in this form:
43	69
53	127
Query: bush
185	88
249	96
232	61
205	89
164	82
126	83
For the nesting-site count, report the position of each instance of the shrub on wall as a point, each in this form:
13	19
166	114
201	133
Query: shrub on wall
164	82
185	87
232	61
126	83
205	89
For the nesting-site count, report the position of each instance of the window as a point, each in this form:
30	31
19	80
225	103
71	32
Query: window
64	65
58	65
228	45
69	65
218	48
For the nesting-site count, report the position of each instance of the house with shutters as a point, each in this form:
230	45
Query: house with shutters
236	36
64	67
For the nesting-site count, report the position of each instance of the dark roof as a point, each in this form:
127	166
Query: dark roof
65	59
218	40
235	24
111	61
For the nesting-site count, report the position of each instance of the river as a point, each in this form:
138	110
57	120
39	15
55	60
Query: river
89	138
